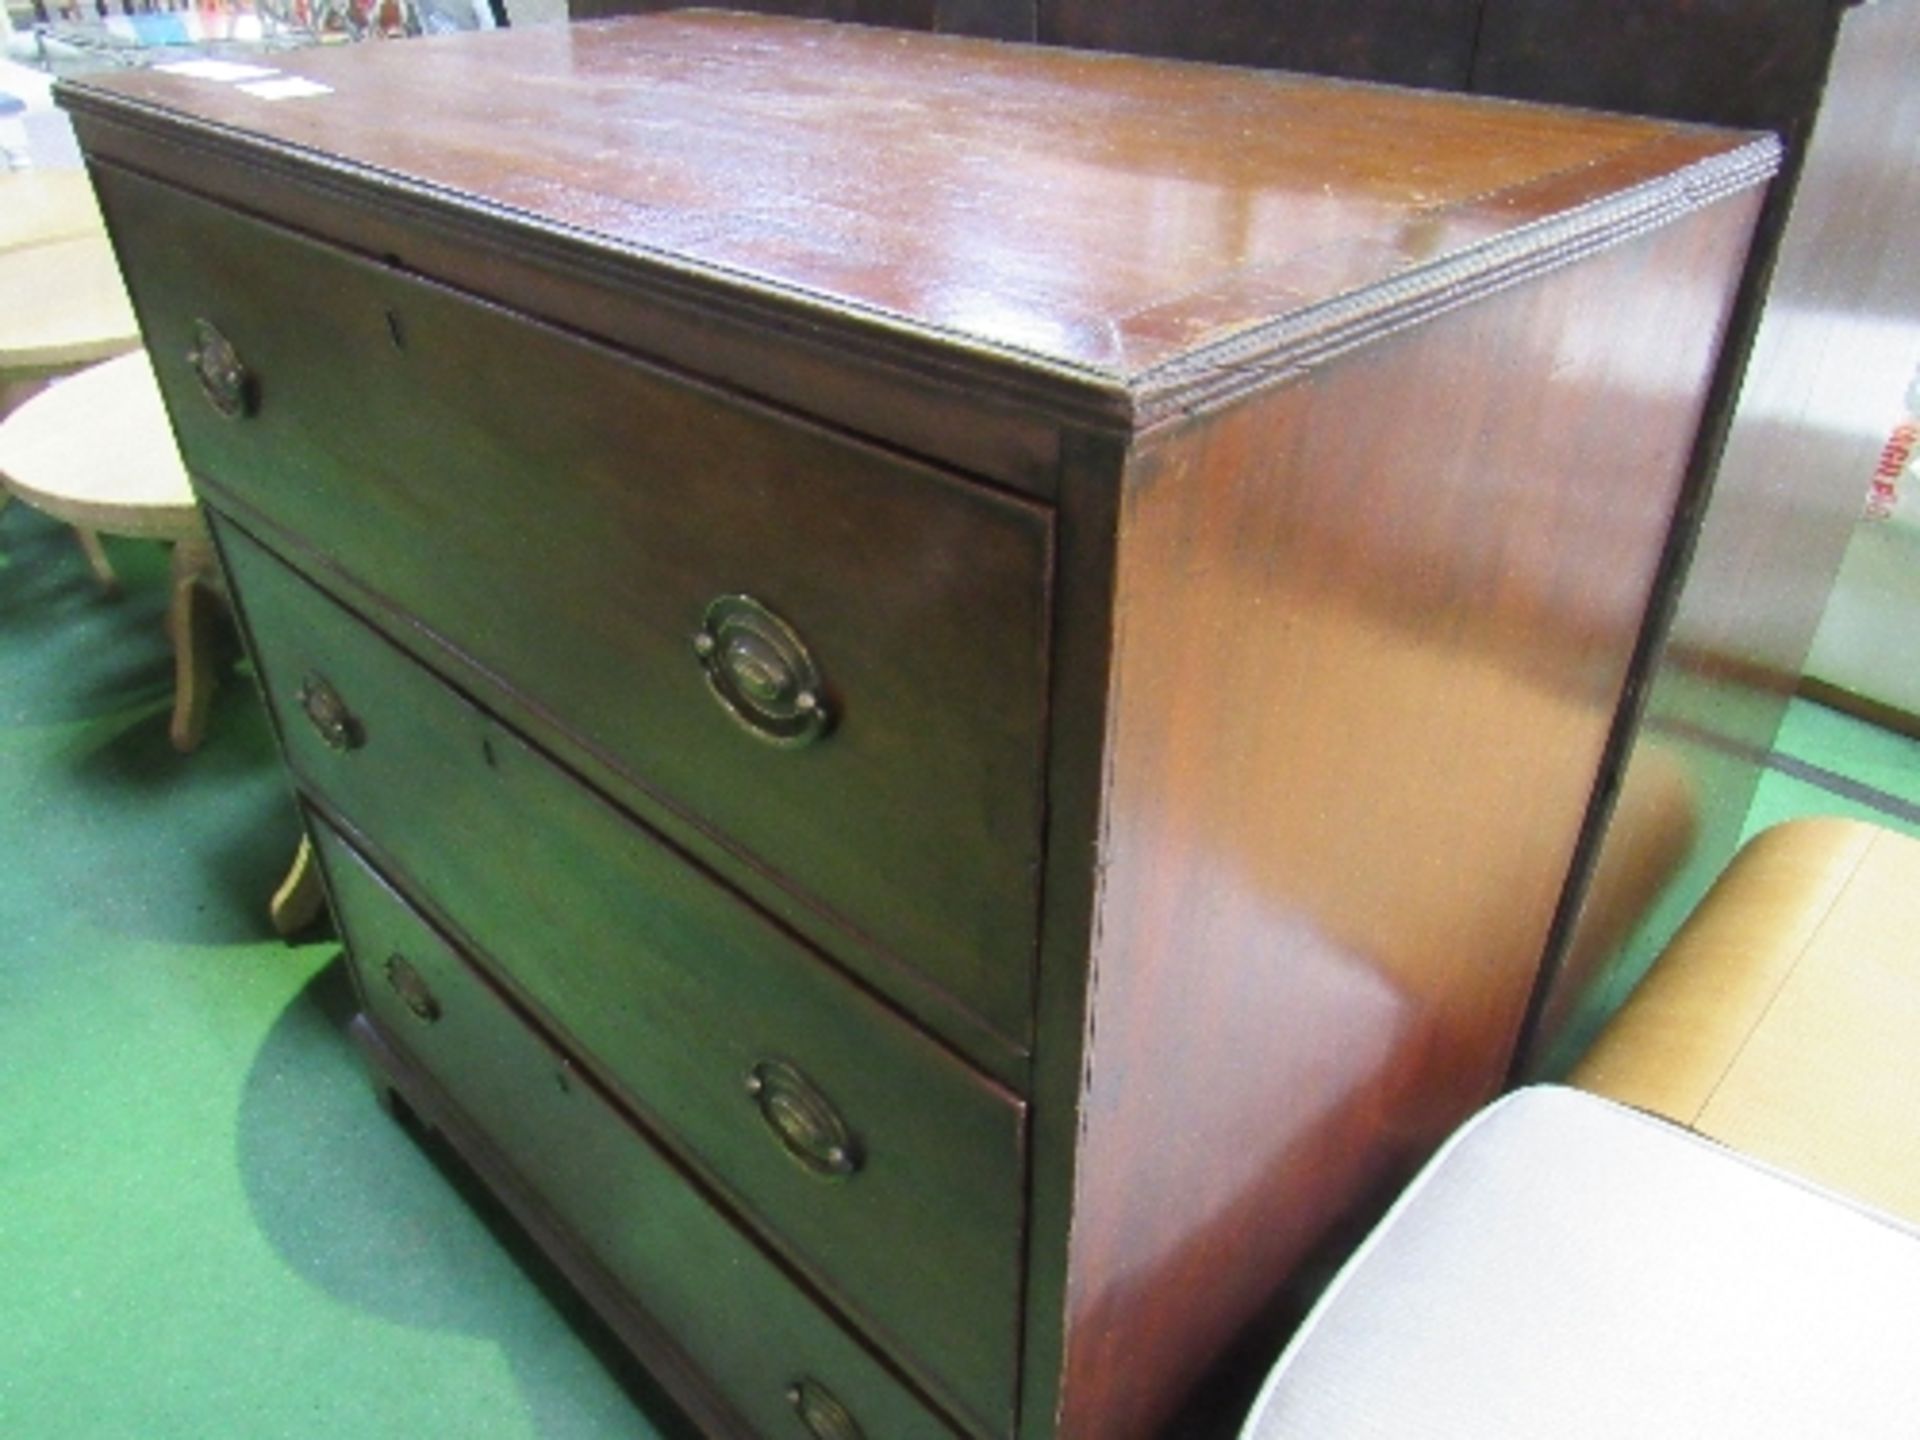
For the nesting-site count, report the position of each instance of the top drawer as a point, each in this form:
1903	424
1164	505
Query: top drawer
565	519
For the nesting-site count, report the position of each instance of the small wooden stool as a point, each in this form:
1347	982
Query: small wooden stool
96	451
1784	1019
62	305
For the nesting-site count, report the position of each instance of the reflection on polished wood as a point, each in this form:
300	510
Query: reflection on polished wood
1760	63
1358	720
1000	218
1224	502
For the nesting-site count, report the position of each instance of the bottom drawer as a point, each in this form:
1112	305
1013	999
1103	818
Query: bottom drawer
767	1350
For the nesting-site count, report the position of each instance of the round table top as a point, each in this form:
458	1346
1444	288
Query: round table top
37	206
95	450
62	304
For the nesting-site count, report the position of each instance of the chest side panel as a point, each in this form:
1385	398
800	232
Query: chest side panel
1370	633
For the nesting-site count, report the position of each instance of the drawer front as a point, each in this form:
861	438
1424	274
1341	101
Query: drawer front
740	1045
573	523
740	1321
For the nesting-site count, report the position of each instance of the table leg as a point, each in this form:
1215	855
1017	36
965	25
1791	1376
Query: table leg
194	590
299	900
97	560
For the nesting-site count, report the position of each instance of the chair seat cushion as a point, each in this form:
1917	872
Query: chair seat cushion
1567	1267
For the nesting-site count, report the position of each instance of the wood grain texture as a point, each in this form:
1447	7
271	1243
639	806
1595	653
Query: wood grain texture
1831	359
1405	42
1346	427
1371	632
670	991
1736	62
1078	212
496	458
711	1309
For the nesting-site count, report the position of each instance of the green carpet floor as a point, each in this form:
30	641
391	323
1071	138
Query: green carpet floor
1827	763
207	1227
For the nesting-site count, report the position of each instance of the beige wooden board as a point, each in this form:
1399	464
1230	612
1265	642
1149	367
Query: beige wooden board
62	304
1826	1085
95	450
40	206
1784	1020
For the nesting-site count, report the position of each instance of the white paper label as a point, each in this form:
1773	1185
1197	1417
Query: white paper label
287	87
226	72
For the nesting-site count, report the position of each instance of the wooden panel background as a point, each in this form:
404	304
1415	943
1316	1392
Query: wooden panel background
1790	484
1406	42
992	19
1749	63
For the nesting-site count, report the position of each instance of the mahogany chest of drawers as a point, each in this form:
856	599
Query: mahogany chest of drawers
945	689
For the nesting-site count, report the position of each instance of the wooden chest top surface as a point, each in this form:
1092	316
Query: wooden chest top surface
1101	215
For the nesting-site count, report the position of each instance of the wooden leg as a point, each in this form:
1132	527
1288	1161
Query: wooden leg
299	900
189	626
14	393
97	560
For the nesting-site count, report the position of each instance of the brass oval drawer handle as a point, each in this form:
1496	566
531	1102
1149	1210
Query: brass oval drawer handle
761	672
803	1120
822	1413
336	725
227	383
412	988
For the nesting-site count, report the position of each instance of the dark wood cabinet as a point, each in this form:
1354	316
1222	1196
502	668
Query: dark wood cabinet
1744	585
946	710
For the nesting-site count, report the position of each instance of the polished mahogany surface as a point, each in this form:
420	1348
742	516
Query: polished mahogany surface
1085	211
1356	721
1358	418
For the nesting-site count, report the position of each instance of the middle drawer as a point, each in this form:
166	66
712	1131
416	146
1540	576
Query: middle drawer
885	1166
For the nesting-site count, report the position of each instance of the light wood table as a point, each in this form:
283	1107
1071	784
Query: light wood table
38	206
95	450
61	301
62	305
